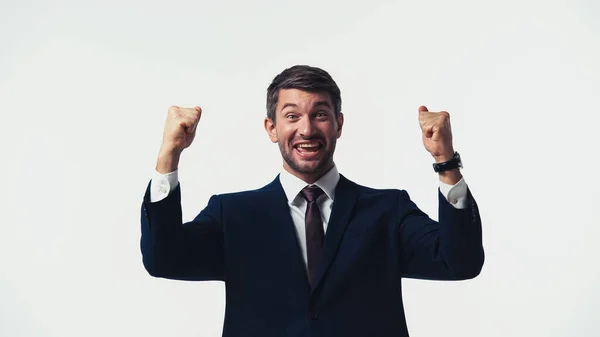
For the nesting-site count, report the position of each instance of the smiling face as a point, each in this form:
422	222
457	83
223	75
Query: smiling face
306	129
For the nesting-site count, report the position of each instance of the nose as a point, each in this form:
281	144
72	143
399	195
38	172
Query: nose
307	128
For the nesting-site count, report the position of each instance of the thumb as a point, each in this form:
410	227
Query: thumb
423	108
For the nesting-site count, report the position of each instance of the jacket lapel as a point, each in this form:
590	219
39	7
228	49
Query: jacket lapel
346	194
276	205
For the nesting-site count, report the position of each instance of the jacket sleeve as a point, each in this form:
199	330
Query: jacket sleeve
448	249
183	251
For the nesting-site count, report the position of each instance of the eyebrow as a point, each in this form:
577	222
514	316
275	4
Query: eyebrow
323	103
289	105
317	104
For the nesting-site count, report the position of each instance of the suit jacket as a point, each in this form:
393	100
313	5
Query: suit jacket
374	238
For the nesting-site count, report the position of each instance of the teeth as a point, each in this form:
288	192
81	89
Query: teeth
308	145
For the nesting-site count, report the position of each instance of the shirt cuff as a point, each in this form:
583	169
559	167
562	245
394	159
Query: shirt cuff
162	184
455	194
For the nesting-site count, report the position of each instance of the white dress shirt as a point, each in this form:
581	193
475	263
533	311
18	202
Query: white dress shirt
162	184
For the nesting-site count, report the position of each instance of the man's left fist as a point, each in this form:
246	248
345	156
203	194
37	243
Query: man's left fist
437	134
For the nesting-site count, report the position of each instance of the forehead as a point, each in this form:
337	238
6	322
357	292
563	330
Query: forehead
302	98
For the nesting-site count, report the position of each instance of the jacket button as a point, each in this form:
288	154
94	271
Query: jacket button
313	315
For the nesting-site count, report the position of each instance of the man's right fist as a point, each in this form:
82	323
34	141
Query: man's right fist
180	128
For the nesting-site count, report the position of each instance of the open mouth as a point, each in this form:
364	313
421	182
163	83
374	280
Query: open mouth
308	150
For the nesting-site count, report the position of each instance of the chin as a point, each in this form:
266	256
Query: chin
309	167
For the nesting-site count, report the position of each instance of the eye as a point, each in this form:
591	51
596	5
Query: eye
322	113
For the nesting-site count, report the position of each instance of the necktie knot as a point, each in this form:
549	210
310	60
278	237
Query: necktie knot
311	193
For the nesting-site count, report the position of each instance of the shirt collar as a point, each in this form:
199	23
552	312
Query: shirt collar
292	185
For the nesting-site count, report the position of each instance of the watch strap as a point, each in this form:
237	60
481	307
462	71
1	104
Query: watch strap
451	164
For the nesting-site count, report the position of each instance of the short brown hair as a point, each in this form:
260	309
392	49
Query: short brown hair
307	78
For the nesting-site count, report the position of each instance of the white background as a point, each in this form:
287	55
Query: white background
84	91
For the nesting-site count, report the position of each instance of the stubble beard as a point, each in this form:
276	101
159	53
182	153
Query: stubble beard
324	163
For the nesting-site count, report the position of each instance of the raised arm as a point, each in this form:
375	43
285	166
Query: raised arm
450	248
171	248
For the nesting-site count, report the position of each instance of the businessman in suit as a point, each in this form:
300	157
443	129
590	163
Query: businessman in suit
311	253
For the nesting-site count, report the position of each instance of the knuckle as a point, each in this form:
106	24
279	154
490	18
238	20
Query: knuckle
173	109
196	114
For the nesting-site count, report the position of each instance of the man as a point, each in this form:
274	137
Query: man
311	253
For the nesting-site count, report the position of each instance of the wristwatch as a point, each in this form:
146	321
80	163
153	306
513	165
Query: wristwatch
451	164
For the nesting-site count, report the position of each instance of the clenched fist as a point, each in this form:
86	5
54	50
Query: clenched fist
437	134
437	138
179	133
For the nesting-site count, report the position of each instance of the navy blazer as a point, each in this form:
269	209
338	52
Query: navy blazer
374	238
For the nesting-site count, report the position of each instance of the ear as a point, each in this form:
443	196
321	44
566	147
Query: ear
270	128
340	124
